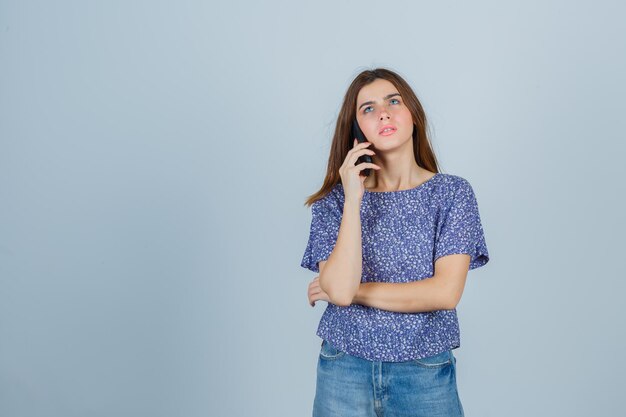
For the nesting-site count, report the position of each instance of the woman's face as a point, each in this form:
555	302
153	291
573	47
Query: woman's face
380	105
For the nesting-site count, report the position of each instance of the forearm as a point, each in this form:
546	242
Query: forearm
341	276
404	297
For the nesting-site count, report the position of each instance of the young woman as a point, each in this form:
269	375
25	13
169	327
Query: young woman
393	250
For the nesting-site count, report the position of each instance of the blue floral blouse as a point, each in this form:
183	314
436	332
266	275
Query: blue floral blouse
402	233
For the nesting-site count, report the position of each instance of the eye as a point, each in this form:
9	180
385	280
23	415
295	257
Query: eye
370	107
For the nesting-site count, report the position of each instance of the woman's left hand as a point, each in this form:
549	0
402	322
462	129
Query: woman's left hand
316	293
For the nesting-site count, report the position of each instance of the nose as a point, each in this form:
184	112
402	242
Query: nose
384	114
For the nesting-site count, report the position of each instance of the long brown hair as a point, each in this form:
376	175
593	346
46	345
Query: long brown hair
343	140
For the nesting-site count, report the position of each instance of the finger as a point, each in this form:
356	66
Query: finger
362	151
363	165
348	159
352	157
356	142
359	145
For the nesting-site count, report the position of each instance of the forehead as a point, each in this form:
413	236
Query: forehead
375	91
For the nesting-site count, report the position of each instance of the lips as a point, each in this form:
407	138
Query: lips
382	130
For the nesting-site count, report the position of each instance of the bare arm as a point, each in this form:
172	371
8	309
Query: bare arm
340	274
442	291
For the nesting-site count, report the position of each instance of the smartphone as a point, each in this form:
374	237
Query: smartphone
360	138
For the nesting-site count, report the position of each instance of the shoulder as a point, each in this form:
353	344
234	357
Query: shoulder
455	191
333	200
450	184
336	195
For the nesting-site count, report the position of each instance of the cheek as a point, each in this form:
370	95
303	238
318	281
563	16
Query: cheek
369	126
405	115
407	121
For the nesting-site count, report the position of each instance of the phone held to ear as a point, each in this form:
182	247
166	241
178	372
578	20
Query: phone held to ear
360	138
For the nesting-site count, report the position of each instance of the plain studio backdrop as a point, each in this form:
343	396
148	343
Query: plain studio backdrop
154	162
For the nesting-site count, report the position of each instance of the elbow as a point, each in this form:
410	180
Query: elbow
448	294
451	301
341	300
336	296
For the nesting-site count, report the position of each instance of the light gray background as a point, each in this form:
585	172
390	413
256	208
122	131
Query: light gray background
154	161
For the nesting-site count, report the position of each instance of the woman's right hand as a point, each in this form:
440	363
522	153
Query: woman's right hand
351	177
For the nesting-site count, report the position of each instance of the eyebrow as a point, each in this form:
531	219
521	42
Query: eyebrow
384	98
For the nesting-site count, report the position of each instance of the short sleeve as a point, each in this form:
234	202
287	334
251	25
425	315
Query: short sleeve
325	221
460	229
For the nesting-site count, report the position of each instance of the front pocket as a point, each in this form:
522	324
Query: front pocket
438	360
328	351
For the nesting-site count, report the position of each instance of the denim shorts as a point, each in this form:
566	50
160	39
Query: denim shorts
349	386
